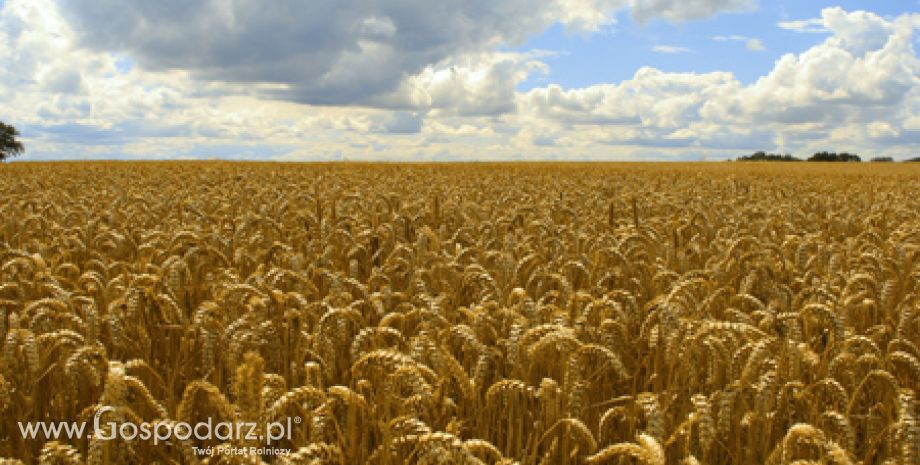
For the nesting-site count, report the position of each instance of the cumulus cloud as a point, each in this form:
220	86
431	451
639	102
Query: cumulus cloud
866	75
653	109
652	98
858	32
336	52
376	81
866	65
323	52
474	84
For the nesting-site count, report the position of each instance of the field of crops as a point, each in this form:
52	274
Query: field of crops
719	313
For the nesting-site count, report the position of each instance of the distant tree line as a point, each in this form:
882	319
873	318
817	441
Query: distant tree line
763	156
831	156
818	156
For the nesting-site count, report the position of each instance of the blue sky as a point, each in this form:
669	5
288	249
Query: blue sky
459	79
713	45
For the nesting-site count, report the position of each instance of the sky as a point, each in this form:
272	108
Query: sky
417	80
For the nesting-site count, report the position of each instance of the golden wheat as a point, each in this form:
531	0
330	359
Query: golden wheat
447	314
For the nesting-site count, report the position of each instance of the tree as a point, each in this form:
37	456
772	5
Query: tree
9	146
882	159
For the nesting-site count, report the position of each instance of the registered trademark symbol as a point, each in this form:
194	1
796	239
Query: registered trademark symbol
297	420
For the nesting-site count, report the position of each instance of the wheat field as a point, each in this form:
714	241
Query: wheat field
719	313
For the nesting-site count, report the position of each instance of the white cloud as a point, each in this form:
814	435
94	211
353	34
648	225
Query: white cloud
730	38
751	43
337	52
879	129
755	45
475	84
671	49
859	89
813	25
344	52
651	99
857	32
912	123
865	75
856	71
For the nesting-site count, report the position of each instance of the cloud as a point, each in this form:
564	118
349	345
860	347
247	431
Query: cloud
670	49
683	10
348	52
912	123
336	52
751	43
63	81
868	65
813	26
403	122
866	76
880	129
474	84
730	38
858	32
248	90
755	45
652	98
